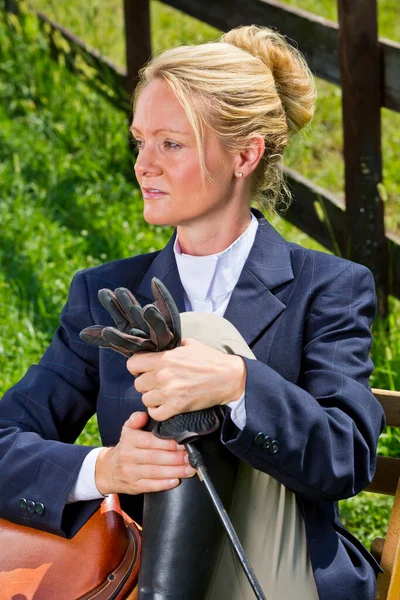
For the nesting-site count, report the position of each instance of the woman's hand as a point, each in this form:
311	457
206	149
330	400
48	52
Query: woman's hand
190	377
141	462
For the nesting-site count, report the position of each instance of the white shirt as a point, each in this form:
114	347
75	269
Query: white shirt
208	282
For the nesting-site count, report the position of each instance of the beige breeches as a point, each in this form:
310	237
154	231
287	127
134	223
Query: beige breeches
264	513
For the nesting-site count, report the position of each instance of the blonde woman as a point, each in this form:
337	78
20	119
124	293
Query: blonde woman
211	123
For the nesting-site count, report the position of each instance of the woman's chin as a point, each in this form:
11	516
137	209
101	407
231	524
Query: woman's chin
156	217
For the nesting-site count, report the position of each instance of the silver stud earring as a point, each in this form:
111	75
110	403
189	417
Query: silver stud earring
239	174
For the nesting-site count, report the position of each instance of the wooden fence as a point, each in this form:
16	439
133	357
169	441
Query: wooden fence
348	54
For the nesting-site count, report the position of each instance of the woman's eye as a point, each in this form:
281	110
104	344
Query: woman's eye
173	144
137	144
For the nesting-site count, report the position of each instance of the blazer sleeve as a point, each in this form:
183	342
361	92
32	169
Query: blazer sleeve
322	431
40	418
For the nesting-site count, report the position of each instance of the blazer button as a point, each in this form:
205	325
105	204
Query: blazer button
259	438
22	503
274	447
266	443
39	508
30	507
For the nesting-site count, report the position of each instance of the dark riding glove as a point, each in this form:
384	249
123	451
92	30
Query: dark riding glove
153	328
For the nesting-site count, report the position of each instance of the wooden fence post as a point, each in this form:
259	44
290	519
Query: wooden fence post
137	38
361	81
11	6
137	47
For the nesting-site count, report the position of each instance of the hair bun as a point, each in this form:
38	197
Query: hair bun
293	79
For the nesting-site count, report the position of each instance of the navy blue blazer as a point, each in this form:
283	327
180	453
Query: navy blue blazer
305	314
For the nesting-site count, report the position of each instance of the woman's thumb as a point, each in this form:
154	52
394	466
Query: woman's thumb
137	420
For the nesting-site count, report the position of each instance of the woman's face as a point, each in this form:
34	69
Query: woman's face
168	160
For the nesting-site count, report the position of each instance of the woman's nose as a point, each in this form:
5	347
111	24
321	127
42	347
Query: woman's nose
146	162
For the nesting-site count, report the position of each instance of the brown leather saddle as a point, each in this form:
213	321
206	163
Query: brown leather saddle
101	562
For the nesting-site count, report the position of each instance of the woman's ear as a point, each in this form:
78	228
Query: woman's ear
251	155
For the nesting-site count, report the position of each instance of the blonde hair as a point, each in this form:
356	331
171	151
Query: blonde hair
249	82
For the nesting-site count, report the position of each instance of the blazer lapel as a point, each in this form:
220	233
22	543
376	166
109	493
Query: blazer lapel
253	306
165	269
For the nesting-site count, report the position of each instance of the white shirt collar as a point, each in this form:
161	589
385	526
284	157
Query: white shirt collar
215	275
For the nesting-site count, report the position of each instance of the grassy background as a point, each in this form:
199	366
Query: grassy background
69	198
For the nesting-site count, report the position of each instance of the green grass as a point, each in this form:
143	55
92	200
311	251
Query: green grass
69	198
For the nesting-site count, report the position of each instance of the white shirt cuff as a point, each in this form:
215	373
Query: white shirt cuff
238	412
85	486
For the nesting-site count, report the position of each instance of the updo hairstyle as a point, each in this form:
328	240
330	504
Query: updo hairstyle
251	81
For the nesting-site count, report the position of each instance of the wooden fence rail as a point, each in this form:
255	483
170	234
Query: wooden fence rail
316	37
349	54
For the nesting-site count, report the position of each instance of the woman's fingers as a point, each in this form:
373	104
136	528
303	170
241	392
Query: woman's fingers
137	420
156	485
162	472
143	448
145	439
141	462
159	457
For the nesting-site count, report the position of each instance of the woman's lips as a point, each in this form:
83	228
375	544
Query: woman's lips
147	194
